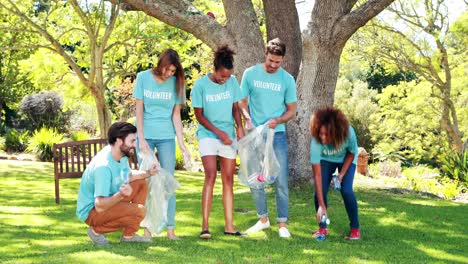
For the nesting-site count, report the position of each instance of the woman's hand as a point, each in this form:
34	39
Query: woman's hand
240	133
225	138
144	147
320	212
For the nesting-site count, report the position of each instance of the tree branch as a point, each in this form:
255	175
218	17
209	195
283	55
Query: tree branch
185	16
351	22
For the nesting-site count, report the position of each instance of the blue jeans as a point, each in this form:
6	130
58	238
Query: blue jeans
166	155
280	146
327	169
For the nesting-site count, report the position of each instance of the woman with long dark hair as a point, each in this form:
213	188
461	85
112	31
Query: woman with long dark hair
160	94
215	101
334	146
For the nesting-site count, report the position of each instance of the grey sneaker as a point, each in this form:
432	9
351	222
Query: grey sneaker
99	240
137	239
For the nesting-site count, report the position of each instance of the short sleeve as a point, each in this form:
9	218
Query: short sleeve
236	90
102	182
197	95
315	151
352	142
291	96
138	88
245	87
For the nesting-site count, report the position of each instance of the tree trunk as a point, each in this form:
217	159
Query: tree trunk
316	88
282	21
248	44
104	114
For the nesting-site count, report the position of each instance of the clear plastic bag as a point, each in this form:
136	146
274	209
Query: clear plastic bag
162	186
259	165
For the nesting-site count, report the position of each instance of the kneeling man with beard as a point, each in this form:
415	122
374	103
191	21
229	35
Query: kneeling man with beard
111	196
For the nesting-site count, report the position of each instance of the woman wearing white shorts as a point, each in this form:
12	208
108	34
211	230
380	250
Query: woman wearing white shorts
214	99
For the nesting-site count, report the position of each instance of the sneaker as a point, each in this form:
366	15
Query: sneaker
320	232
355	234
99	240
136	239
258	226
284	232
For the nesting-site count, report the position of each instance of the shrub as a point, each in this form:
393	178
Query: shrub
390	168
454	166
42	142
44	109
16	141
2	143
80	135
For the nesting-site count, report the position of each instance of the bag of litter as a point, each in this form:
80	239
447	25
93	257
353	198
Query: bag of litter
259	165
162	186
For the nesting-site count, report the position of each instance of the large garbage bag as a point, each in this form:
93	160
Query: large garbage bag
162	186
258	163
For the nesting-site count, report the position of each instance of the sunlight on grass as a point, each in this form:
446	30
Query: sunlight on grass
55	243
440	254
101	256
158	249
394	226
218	244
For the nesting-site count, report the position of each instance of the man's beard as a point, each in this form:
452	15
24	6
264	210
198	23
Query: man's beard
127	151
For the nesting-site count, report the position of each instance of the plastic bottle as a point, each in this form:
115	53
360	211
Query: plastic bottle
336	182
324	222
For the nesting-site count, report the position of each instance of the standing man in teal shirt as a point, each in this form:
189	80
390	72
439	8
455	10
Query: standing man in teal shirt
269	94
111	196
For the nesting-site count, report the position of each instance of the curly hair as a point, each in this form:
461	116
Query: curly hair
335	123
224	58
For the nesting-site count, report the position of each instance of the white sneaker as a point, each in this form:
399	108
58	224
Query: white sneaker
284	232
258	226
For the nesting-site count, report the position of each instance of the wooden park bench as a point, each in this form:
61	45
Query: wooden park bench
71	159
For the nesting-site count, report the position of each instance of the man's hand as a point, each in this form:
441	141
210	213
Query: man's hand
272	123
152	171
126	190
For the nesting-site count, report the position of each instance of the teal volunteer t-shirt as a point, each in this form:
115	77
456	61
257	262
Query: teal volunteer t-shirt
158	103
101	178
268	93
216	101
328	152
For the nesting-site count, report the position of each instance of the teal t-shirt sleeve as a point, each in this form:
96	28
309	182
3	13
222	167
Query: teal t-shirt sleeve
236	89
352	144
197	96
291	96
245	89
315	151
138	88
102	182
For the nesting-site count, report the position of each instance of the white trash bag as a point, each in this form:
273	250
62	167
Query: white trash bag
162	186
259	165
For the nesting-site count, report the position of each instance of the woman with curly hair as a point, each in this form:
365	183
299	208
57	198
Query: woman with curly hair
334	146
215	99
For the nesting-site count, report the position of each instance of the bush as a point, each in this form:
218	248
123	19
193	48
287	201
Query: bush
2	143
42	142
454	166
45	110
16	141
80	135
390	168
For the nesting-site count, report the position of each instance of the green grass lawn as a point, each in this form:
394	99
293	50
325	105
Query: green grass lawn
396	228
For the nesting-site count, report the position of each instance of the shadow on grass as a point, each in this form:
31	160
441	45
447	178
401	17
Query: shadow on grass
403	228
